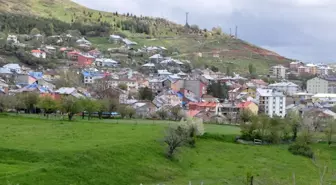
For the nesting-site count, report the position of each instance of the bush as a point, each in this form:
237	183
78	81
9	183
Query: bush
218	137
301	149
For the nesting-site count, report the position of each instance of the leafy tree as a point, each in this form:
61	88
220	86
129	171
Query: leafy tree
229	70
146	94
48	104
30	101
252	69
130	111
103	106
122	111
176	112
214	68
246	115
330	130
219	90
162	114
123	86
90	106
71	106
35	31
295	122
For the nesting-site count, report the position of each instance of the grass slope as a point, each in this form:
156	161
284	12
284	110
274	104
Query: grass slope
44	152
167	34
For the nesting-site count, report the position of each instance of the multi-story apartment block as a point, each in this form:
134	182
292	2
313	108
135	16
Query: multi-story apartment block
271	102
278	71
322	84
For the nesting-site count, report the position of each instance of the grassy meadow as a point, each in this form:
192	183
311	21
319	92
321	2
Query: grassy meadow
51	152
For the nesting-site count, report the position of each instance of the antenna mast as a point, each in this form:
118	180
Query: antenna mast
236	33
187	17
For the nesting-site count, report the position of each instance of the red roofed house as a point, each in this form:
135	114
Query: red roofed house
38	53
85	60
248	105
259	83
73	55
211	106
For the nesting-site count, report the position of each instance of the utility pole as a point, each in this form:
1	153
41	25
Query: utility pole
230	32
236	33
187	17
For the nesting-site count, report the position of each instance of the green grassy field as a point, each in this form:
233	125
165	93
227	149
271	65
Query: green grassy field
42	152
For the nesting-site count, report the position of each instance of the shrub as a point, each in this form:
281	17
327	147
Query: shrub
218	137
301	149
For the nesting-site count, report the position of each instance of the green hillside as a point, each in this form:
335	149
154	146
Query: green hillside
189	42
37	152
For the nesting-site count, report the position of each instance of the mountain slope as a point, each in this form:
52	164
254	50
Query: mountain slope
203	47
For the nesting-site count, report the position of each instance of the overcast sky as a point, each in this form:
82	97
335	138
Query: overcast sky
298	29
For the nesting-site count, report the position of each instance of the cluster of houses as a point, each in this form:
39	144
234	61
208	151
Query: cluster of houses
299	69
172	85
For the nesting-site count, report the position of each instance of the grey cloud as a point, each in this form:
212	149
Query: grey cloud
299	29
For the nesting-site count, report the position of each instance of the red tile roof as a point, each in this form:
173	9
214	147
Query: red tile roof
204	104
193	113
244	104
36	51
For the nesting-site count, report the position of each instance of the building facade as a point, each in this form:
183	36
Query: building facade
278	71
271	102
288	88
322	84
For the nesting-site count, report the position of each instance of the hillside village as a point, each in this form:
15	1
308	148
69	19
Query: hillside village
94	97
207	93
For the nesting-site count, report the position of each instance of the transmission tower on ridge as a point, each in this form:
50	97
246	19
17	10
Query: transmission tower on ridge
187	17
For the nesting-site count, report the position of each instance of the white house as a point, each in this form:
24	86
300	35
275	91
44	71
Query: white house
38	53
13	68
106	62
12	39
131	84
164	73
288	88
271	102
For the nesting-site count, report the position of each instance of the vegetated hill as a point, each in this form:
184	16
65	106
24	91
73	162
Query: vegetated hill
202	47
46	152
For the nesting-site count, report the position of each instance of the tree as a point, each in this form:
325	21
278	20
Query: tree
71	106
123	86
146	94
90	106
103	106
162	114
122	111
246	115
330	130
35	31
295	122
30	100
175	138
51	29
252	69
185	133
176	112
48	104
219	90
130	111
214	68
229	70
